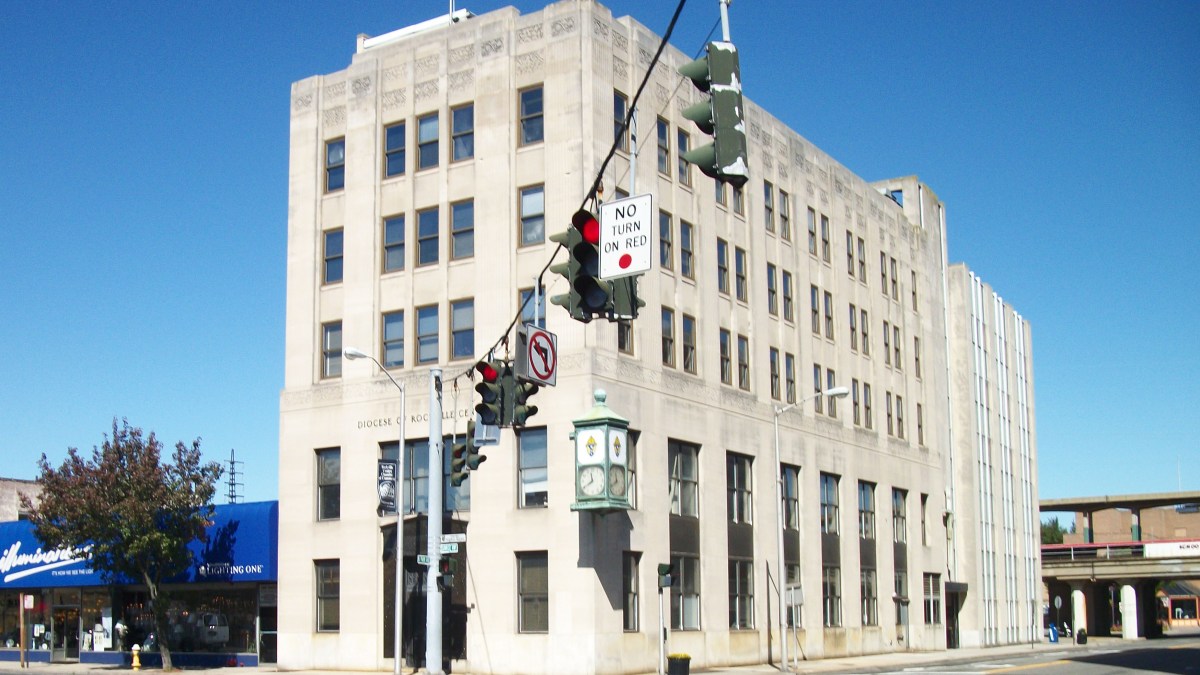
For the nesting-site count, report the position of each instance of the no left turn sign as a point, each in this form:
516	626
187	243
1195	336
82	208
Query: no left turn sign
537	360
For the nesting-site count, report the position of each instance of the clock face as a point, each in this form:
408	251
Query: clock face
591	480
616	481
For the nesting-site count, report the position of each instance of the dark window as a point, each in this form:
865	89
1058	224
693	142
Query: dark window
333	256
328	577
533	600
533	215
331	349
329	484
394	145
427	141
427	237
427	334
393	243
531	116
462	121
533	468
335	165
462	229
462	329
393	339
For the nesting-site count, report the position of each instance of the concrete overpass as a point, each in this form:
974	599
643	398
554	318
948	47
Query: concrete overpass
1112	585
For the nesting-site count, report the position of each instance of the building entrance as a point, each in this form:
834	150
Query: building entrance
64	634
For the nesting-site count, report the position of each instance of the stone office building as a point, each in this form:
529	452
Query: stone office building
425	180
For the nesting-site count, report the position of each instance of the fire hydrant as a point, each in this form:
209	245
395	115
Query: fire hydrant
137	663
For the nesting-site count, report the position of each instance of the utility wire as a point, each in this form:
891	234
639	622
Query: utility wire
591	195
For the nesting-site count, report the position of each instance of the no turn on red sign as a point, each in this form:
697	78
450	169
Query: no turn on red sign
625	236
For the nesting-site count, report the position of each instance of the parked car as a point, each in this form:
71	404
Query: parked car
212	631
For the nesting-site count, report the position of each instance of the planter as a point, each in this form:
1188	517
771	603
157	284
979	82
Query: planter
679	665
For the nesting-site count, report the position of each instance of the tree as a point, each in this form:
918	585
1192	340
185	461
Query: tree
133	515
1052	531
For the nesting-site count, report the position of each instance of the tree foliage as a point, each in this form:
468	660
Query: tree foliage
133	514
1052	531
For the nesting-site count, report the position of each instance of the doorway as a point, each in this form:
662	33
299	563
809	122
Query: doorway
64	634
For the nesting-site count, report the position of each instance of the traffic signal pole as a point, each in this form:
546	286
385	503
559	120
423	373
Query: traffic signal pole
433	546
724	19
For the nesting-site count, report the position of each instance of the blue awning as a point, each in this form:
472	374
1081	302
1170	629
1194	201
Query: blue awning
243	545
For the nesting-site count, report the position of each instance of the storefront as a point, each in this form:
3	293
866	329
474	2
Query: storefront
221	612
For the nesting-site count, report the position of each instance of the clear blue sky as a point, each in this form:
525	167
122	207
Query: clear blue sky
144	204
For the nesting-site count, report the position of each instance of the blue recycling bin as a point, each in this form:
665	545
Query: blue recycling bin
1053	633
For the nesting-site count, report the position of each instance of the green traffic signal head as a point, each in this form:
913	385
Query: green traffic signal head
720	115
491	392
522	410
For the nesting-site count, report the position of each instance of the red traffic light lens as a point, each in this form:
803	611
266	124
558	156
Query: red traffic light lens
587	224
486	370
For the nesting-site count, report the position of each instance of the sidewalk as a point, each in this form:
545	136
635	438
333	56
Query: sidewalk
873	663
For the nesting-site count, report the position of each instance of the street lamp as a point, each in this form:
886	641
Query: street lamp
834	392
397	648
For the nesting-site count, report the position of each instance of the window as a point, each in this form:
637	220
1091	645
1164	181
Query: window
791	496
887	397
331	349
689	344
533	469
866	510
814	294
462	329
899	516
870	597
897	361
630	561
850	253
533	215
739	271
917	356
828	315
914	290
854	399
685	593
824	237
686	252
769	205
335	165
920	425
812	232
722	266
530	114
866	340
682	465
741	594
531	312
414	497
329	484
785	216
862	260
772	291
900	416
738	488
739	200
666	257
795	607
867	421
427	141
333	257
743	362
830	383
328	575
726	358
831	596
682	145
933	598
427	237
664	147
774	360
788	301
887	343
901	596
853	328
668	337
533	592
895	281
829	504
393	339
620	110
624	335
427	334
818	399
924	516
719	192
393	243
394	144
462	132
883	279
462	229
789	374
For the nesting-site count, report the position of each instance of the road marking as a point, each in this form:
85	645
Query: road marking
1031	666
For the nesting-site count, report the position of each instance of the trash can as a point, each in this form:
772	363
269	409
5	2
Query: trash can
679	664
1081	636
1053	633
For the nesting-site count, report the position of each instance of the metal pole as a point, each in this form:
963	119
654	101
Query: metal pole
783	664
433	593
662	633
397	631
633	152
725	20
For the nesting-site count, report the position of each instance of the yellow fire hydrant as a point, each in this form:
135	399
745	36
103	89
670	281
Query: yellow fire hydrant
137	663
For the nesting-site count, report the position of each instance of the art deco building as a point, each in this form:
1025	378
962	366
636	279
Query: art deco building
425	180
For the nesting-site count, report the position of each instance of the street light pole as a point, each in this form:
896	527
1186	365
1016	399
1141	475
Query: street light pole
835	392
397	634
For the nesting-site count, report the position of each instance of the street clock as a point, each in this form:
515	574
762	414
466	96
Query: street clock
601	459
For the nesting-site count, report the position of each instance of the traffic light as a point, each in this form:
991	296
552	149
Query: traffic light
521	409
491	393
445	578
625	298
465	457
722	115
665	575
589	295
